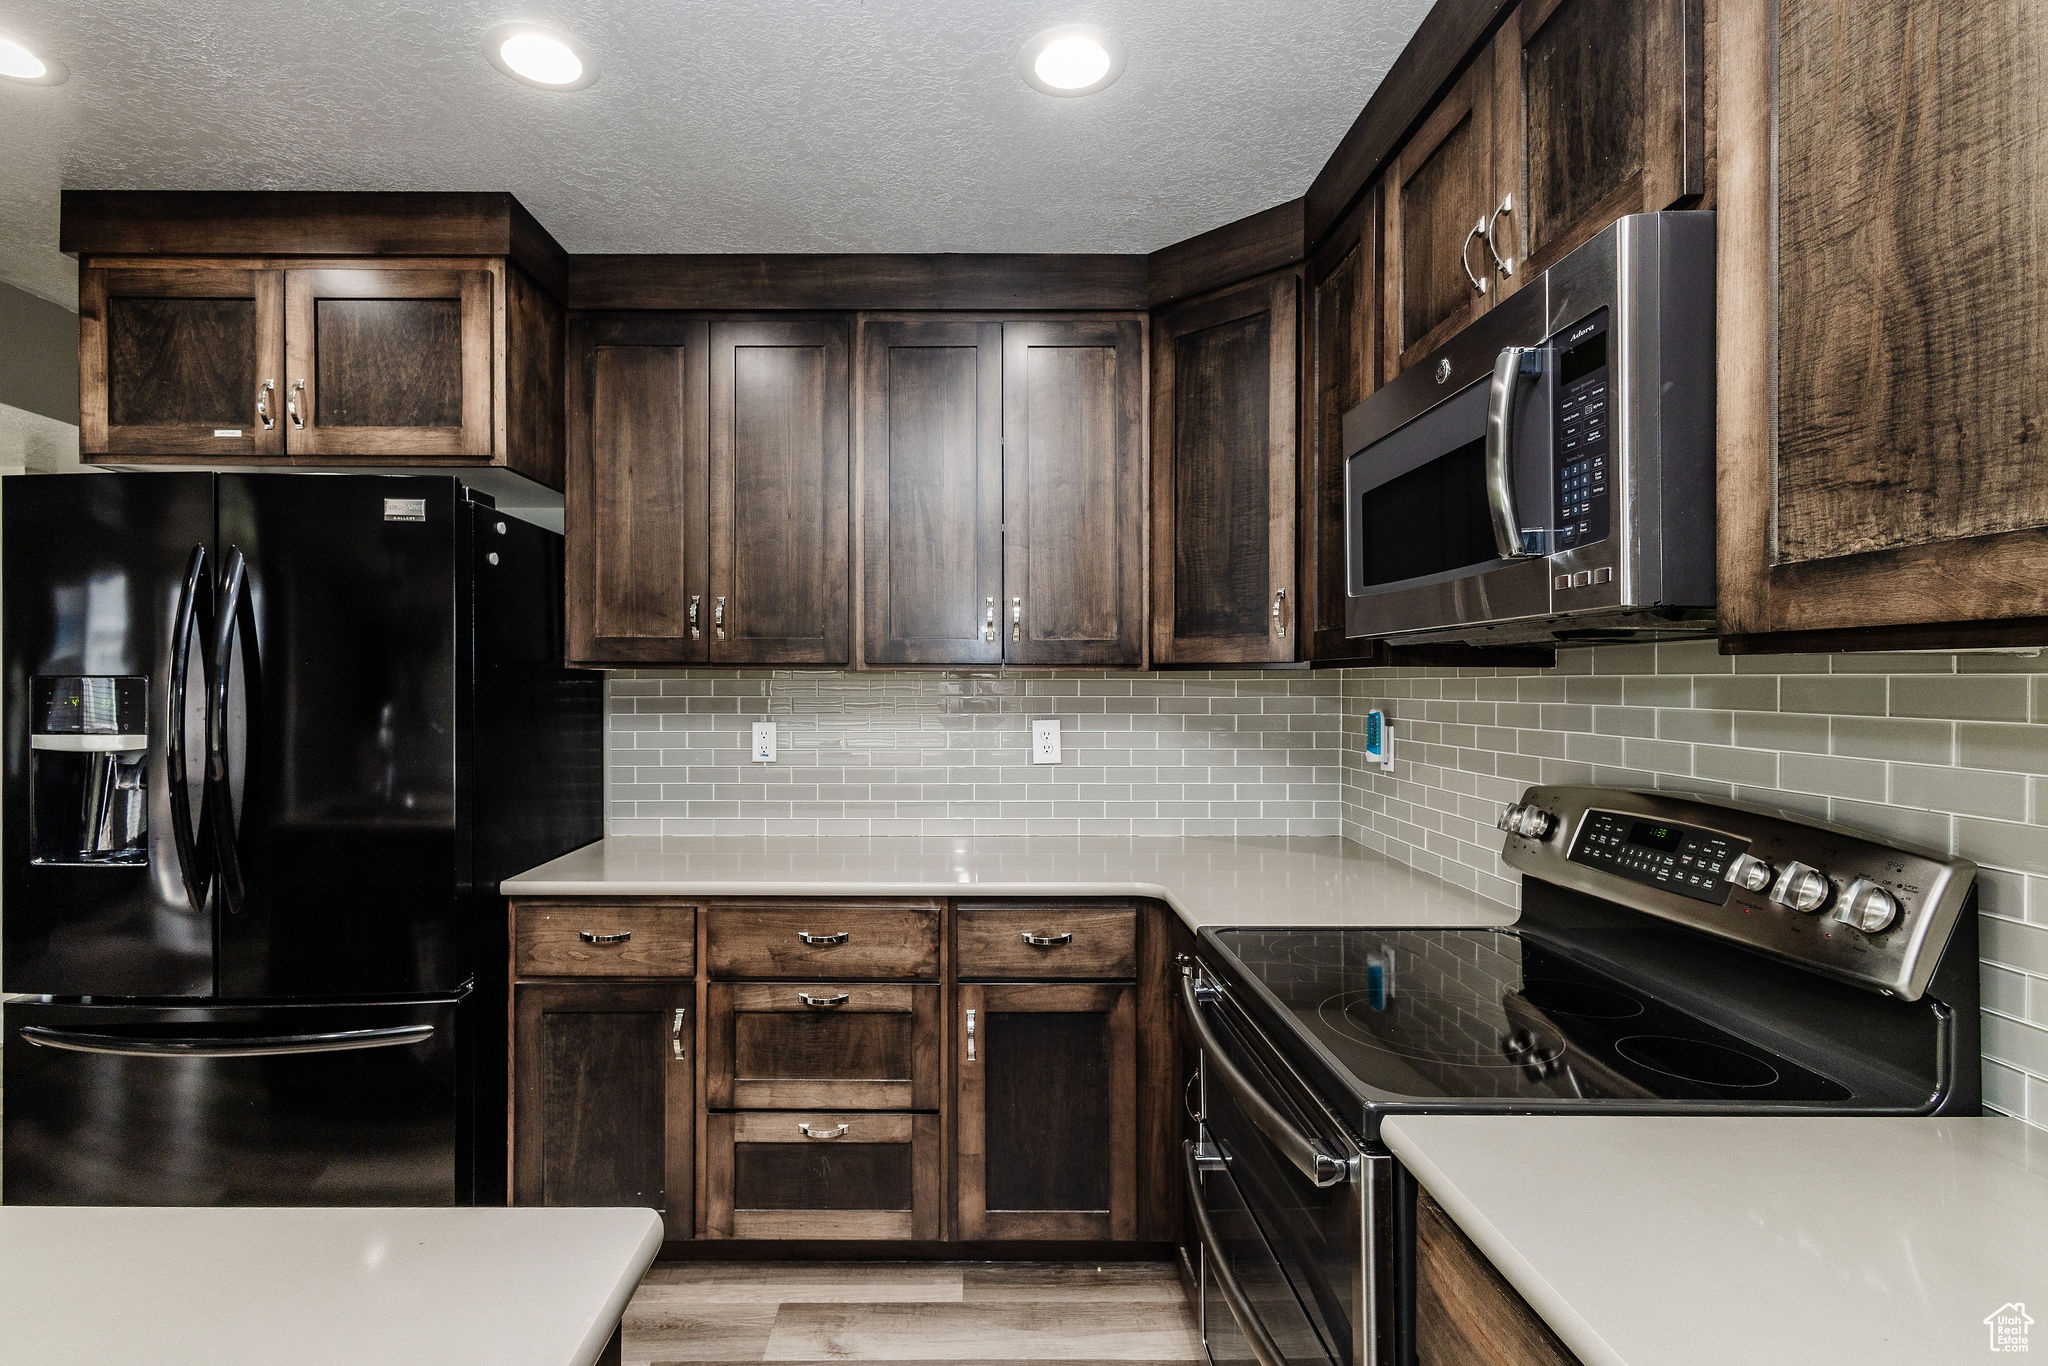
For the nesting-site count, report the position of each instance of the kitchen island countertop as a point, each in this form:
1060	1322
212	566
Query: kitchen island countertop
1253	882
1689	1240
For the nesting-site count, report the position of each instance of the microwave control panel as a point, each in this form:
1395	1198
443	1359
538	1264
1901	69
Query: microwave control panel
1582	436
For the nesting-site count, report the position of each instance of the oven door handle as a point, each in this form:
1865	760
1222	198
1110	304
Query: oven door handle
1513	368
1261	1342
1312	1158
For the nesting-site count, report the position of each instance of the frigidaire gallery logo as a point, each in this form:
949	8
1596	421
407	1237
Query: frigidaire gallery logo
2008	1325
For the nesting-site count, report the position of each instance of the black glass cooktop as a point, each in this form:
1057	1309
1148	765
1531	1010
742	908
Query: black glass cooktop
1489	1015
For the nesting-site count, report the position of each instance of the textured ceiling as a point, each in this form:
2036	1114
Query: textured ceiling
749	125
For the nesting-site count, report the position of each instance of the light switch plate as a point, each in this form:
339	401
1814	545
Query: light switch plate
764	742
1045	741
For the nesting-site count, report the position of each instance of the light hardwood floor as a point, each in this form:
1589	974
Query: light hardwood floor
934	1314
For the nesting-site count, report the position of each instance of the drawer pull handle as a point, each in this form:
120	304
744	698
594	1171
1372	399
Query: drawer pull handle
1047	941
821	1134
675	1034
840	938
590	938
821	1002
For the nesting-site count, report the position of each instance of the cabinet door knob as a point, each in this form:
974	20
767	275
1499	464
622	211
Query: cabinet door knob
292	408
836	937
823	1134
1279	605
1465	256
1047	941
1505	264
592	937
824	1002
263	413
696	631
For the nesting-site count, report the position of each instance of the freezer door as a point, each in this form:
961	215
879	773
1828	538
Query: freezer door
105	886
282	1105
343	642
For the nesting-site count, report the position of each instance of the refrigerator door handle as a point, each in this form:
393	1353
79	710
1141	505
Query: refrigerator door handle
208	1046
235	610
195	874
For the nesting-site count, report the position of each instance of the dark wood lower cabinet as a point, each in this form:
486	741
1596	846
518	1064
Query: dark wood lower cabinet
602	1096
1466	1314
824	1174
1048	1111
842	1045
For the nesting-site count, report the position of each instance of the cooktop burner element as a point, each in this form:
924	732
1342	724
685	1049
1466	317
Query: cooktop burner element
1710	1064
1558	996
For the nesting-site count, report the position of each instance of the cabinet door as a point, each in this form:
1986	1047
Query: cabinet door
1466	1314
635	504
1879	420
778	492
1600	111
388	363
1073	530
803	1175
1224	419
602	1105
839	1046
932	467
181	361
1438	196
1048	1111
1345	327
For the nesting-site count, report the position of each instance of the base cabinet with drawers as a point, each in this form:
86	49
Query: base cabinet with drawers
878	1070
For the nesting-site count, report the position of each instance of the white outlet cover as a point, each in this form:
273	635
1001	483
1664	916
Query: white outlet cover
1045	742
764	742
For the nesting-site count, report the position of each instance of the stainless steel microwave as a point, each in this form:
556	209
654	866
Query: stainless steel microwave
1548	473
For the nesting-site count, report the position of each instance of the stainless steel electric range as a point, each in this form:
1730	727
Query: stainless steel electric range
1672	956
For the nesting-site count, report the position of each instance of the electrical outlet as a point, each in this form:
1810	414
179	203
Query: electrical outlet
764	742
1045	742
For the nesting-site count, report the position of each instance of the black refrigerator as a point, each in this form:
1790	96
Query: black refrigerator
271	742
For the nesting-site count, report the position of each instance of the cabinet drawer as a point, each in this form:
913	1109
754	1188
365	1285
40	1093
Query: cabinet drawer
1040	939
604	939
841	1046
825	940
823	1174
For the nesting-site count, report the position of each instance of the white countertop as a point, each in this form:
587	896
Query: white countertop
1249	882
1684	1241
317	1287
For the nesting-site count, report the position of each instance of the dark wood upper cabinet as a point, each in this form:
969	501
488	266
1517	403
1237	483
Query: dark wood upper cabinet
181	360
602	1098
932	462
1225	420
1437	197
1599	111
1073	567
1344	324
1048	1111
1880	416
778	508
637	491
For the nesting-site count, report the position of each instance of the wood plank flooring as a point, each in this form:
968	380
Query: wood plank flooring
930	1313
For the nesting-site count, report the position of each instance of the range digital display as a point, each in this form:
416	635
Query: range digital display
1664	838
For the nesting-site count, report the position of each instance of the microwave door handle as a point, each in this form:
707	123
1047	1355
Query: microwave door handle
1515	367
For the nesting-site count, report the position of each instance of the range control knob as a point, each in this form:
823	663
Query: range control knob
1750	873
1530	822
1802	888
1867	907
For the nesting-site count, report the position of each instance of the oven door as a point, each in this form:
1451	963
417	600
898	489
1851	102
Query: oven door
1294	1263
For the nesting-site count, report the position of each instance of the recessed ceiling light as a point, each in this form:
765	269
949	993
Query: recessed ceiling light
1078	59
542	57
17	63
